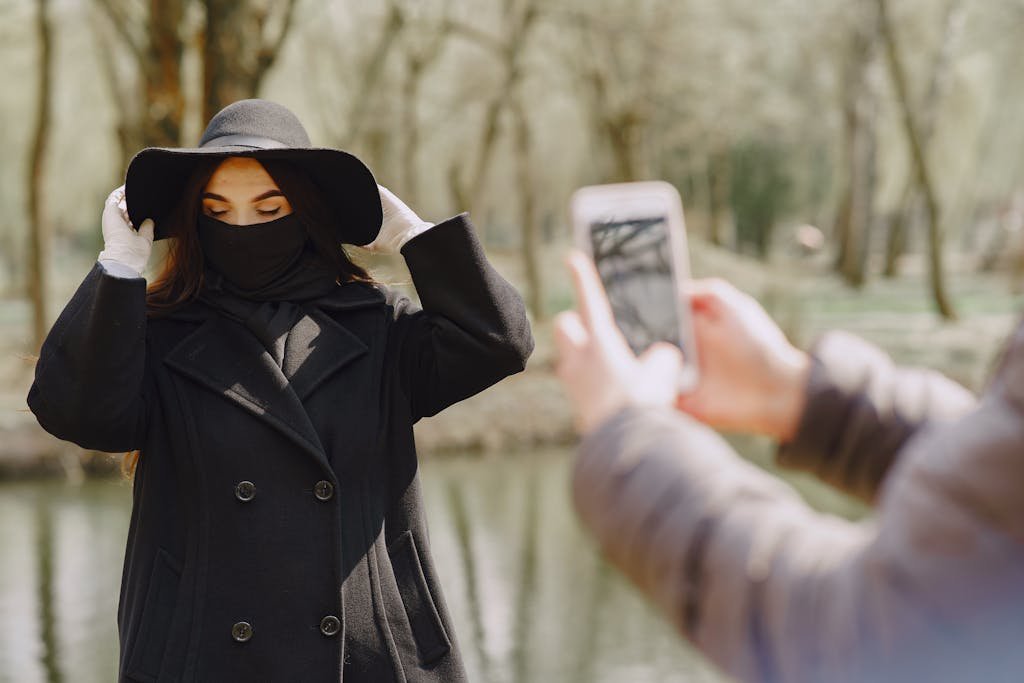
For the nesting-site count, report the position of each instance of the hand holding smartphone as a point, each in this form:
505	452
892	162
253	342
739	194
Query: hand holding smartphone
636	235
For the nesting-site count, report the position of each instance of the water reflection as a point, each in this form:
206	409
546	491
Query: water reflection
45	592
530	600
60	567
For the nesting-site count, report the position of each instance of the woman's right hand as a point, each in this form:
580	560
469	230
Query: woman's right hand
751	378
121	243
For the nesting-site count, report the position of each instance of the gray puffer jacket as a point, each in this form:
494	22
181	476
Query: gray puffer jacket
930	589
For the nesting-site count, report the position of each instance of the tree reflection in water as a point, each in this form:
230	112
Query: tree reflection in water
461	528
530	599
45	592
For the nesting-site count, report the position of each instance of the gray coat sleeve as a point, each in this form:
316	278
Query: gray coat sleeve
770	590
861	410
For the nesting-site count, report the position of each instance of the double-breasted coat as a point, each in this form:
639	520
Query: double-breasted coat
277	529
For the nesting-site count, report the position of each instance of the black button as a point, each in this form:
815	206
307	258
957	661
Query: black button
330	625
245	491
323	490
242	631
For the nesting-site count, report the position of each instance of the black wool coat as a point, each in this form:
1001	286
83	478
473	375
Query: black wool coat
277	529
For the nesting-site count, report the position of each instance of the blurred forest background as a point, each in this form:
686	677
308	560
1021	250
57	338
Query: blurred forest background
854	164
825	142
867	154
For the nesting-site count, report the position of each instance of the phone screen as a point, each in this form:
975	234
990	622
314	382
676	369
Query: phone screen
634	259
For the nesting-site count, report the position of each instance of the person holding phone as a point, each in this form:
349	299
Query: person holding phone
931	589
268	389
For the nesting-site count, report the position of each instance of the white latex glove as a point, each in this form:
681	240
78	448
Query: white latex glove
400	224
121	243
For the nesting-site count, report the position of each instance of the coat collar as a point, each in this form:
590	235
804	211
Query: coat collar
225	358
350	296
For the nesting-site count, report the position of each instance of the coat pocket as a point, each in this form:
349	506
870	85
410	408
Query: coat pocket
432	641
154	626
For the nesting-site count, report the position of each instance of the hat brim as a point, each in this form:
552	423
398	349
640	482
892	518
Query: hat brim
156	178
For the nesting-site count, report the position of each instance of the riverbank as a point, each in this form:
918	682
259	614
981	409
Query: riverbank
528	411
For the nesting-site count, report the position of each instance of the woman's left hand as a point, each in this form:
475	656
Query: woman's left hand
597	368
400	224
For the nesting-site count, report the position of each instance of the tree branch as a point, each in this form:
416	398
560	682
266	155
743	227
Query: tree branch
475	35
120	22
920	160
268	52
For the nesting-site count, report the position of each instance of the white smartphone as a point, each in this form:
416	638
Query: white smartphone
636	234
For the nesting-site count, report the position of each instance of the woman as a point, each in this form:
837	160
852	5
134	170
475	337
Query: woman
277	531
931	589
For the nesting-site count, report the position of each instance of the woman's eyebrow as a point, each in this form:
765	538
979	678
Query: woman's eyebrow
267	195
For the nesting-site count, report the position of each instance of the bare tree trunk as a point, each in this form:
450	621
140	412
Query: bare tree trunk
899	231
230	29
938	85
411	131
237	53
126	109
239	46
718	194
528	212
914	139
620	128
416	64
860	216
161	70
456	191
509	51
623	134
39	230
371	73
856	214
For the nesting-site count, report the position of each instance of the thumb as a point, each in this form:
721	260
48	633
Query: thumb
146	230
703	295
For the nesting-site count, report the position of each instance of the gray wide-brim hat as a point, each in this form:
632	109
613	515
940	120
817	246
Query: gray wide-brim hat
264	130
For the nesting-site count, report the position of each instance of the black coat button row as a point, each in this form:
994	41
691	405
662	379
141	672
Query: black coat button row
245	491
330	625
241	631
323	490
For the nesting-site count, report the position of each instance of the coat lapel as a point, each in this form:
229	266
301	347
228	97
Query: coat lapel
317	348
318	345
227	359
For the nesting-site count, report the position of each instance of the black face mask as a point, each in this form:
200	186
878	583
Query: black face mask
265	262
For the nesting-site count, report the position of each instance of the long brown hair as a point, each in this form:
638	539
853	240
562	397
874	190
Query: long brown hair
181	278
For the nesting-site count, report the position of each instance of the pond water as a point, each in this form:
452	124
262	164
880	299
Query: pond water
530	599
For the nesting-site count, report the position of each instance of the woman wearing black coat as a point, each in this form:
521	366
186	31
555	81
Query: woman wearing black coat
270	388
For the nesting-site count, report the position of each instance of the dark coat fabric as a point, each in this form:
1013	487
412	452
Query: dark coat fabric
277	529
